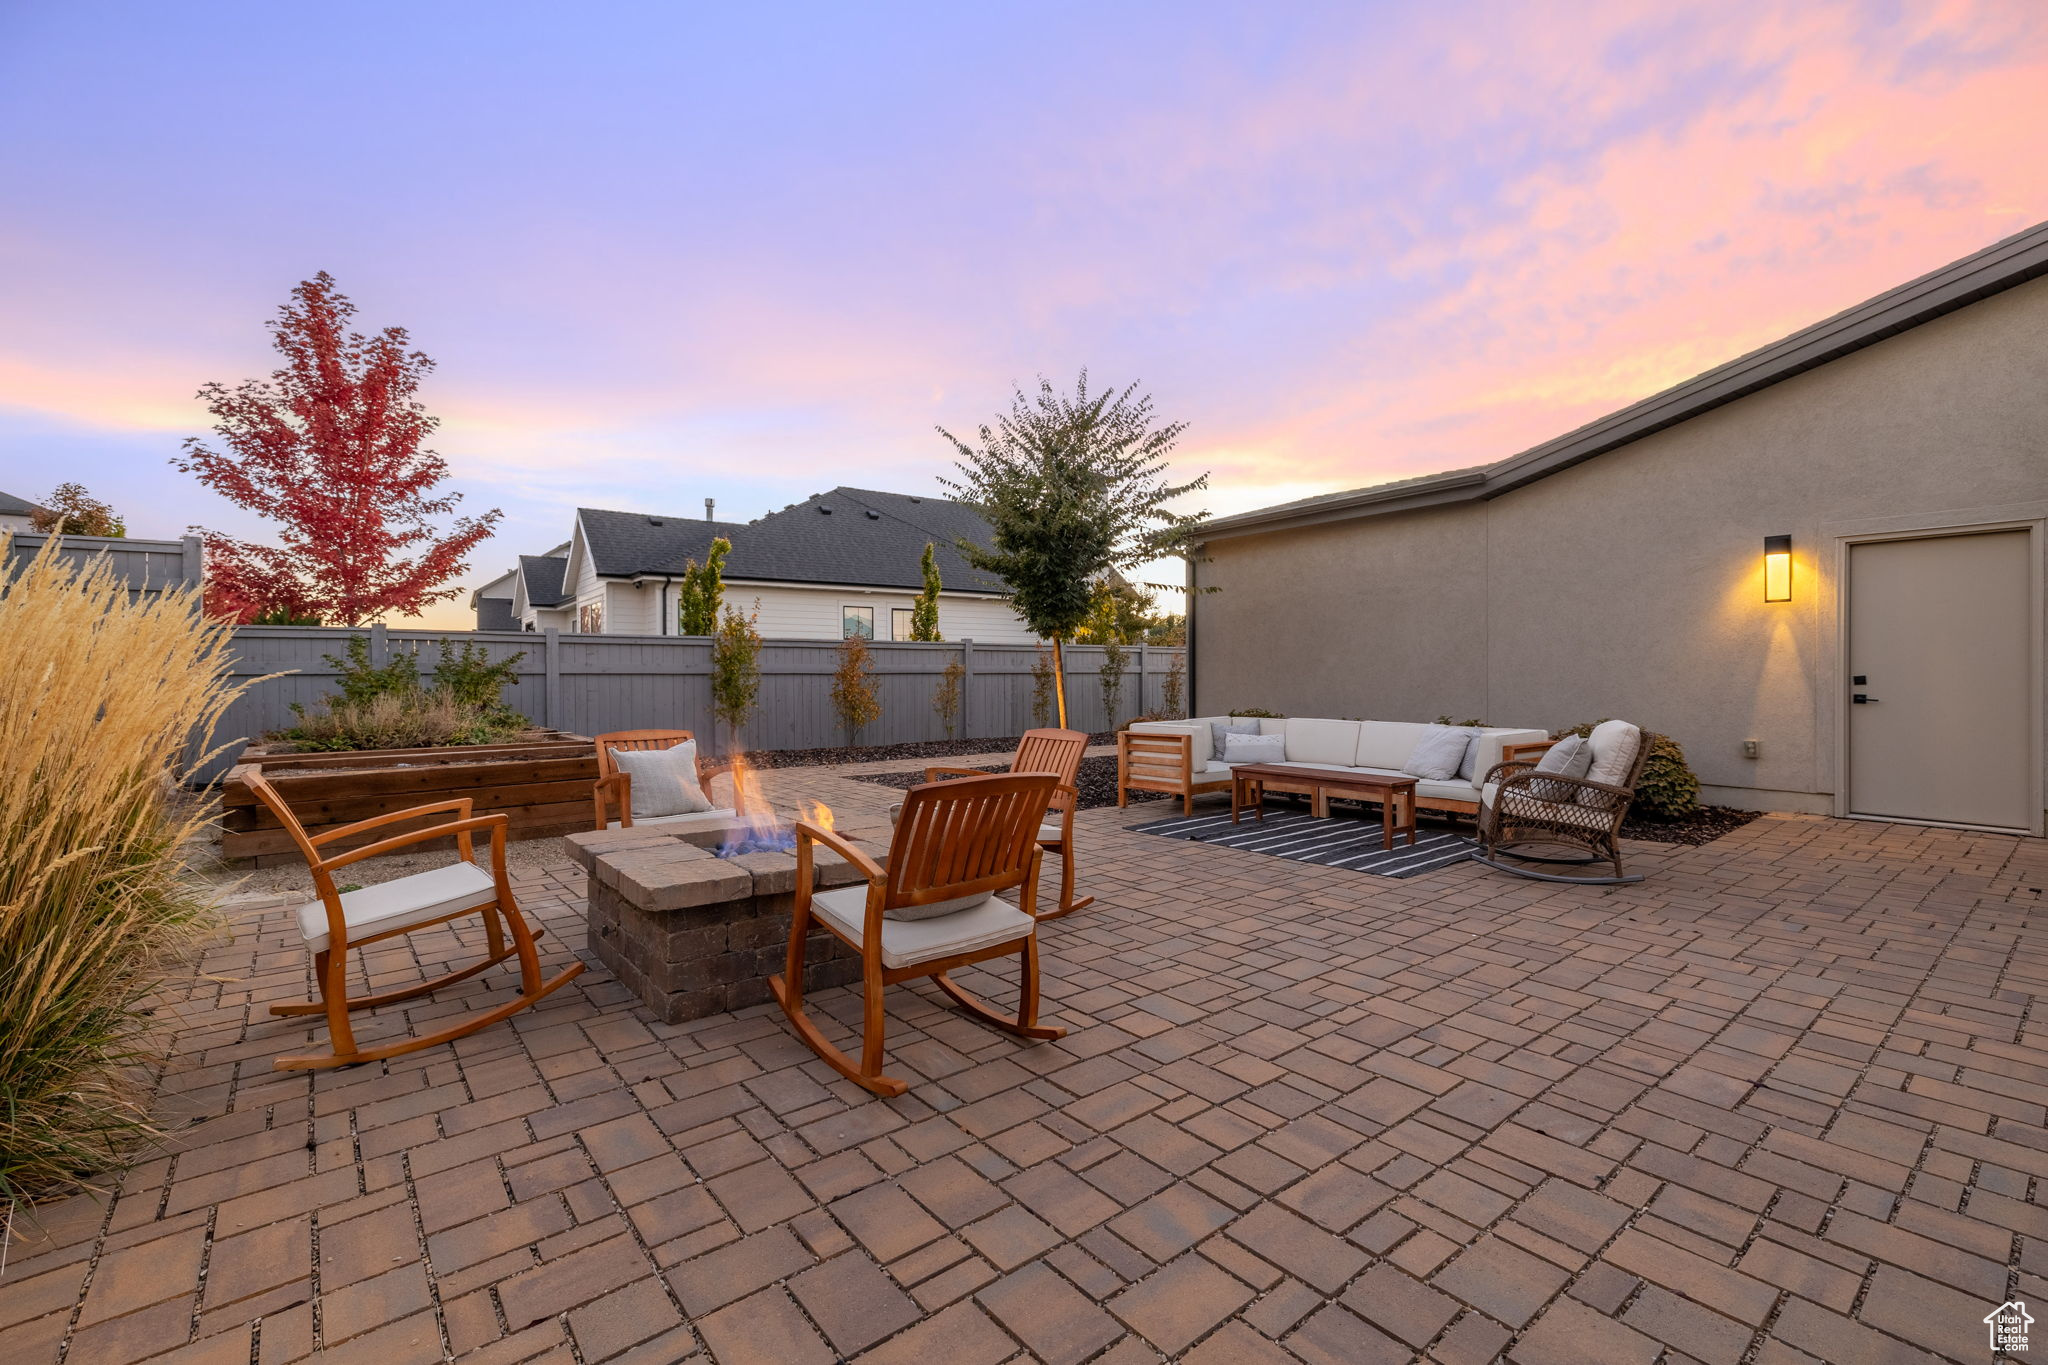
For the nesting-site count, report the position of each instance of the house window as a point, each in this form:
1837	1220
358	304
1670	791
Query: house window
857	621
590	618
899	623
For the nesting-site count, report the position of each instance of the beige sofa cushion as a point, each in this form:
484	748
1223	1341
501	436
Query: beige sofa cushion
1614	744
1330	743
1385	743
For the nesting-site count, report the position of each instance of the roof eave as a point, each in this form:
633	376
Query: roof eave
2001	266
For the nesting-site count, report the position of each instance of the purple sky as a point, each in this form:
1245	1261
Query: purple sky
663	253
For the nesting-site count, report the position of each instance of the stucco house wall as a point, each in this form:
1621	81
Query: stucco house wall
1631	584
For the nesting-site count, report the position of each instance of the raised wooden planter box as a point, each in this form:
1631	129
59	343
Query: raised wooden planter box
542	783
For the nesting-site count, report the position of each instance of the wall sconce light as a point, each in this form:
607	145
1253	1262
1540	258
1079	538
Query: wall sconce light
1777	568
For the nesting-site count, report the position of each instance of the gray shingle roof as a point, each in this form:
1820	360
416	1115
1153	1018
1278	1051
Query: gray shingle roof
543	577
495	613
17	507
853	536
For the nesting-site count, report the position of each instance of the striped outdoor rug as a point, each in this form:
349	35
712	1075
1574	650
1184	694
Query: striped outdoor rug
1340	841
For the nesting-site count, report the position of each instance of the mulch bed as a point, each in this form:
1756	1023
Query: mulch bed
1097	786
877	753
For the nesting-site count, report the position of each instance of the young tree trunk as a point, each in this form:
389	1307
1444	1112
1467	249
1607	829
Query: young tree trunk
1059	680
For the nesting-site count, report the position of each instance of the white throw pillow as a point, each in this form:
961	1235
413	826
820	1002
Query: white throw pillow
1569	757
664	780
1613	744
1440	753
1254	748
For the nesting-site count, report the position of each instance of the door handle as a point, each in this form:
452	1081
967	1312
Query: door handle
1862	698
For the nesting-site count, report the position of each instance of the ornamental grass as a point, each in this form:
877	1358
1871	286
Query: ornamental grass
106	701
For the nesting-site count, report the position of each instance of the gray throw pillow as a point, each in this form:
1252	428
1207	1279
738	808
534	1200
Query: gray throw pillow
1569	757
1238	748
664	780
1220	728
1440	752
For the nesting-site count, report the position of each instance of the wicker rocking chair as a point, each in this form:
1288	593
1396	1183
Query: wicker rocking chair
1523	810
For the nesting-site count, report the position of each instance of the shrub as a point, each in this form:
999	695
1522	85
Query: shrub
1467	724
1173	691
100	697
468	675
1258	711
1115	659
736	670
359	681
946	696
413	720
855	698
1668	788
1044	688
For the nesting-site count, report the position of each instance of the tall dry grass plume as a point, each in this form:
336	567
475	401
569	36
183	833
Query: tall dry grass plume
100	697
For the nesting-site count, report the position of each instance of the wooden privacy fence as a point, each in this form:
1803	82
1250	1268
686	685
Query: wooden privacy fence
588	684
147	566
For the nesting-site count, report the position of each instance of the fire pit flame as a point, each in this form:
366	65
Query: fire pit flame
759	829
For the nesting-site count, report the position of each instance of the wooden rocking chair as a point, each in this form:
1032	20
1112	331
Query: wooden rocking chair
614	789
1058	752
339	921
956	845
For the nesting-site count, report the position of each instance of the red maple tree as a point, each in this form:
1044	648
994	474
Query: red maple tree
329	447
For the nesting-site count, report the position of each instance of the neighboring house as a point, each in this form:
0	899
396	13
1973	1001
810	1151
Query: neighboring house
17	514
492	603
1621	569
840	563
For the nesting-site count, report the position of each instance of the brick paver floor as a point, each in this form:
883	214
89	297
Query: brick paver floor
1784	1101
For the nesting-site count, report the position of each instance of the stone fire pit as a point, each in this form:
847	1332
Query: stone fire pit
694	934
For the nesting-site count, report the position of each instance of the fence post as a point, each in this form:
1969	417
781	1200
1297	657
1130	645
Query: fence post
551	688
380	645
967	689
193	561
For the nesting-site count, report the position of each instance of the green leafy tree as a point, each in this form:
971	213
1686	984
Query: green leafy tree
924	613
1117	612
855	696
946	696
1073	488
702	590
71	511
736	671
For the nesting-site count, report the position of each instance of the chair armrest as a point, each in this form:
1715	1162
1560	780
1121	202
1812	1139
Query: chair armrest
808	834
1500	772
1529	751
497	823
462	806
619	786
934	774
1622	795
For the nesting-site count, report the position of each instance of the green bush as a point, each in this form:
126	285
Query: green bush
469	676
360	682
416	720
1668	788
1258	711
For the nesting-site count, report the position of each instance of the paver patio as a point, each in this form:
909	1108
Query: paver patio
1786	1100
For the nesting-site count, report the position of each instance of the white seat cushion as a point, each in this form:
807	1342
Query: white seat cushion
908	942
703	819
405	901
1052	829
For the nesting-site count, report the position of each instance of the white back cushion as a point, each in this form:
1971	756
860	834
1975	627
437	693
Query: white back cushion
1614	751
1486	749
1331	742
1385	743
1198	728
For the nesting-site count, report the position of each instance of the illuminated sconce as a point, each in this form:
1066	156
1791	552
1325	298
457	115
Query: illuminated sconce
1777	568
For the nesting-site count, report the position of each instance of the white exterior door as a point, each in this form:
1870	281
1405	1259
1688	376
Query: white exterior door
1940	680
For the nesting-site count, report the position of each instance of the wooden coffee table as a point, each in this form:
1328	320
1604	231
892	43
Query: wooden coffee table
1249	783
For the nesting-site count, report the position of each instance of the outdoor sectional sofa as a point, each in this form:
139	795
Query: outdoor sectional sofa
1175	756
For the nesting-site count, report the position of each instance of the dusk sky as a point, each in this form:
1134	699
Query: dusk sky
666	252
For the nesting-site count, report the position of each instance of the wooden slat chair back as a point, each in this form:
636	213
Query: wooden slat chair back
614	789
1530	809
956	842
1058	752
338	921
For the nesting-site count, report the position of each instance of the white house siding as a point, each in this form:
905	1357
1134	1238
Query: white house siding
793	613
